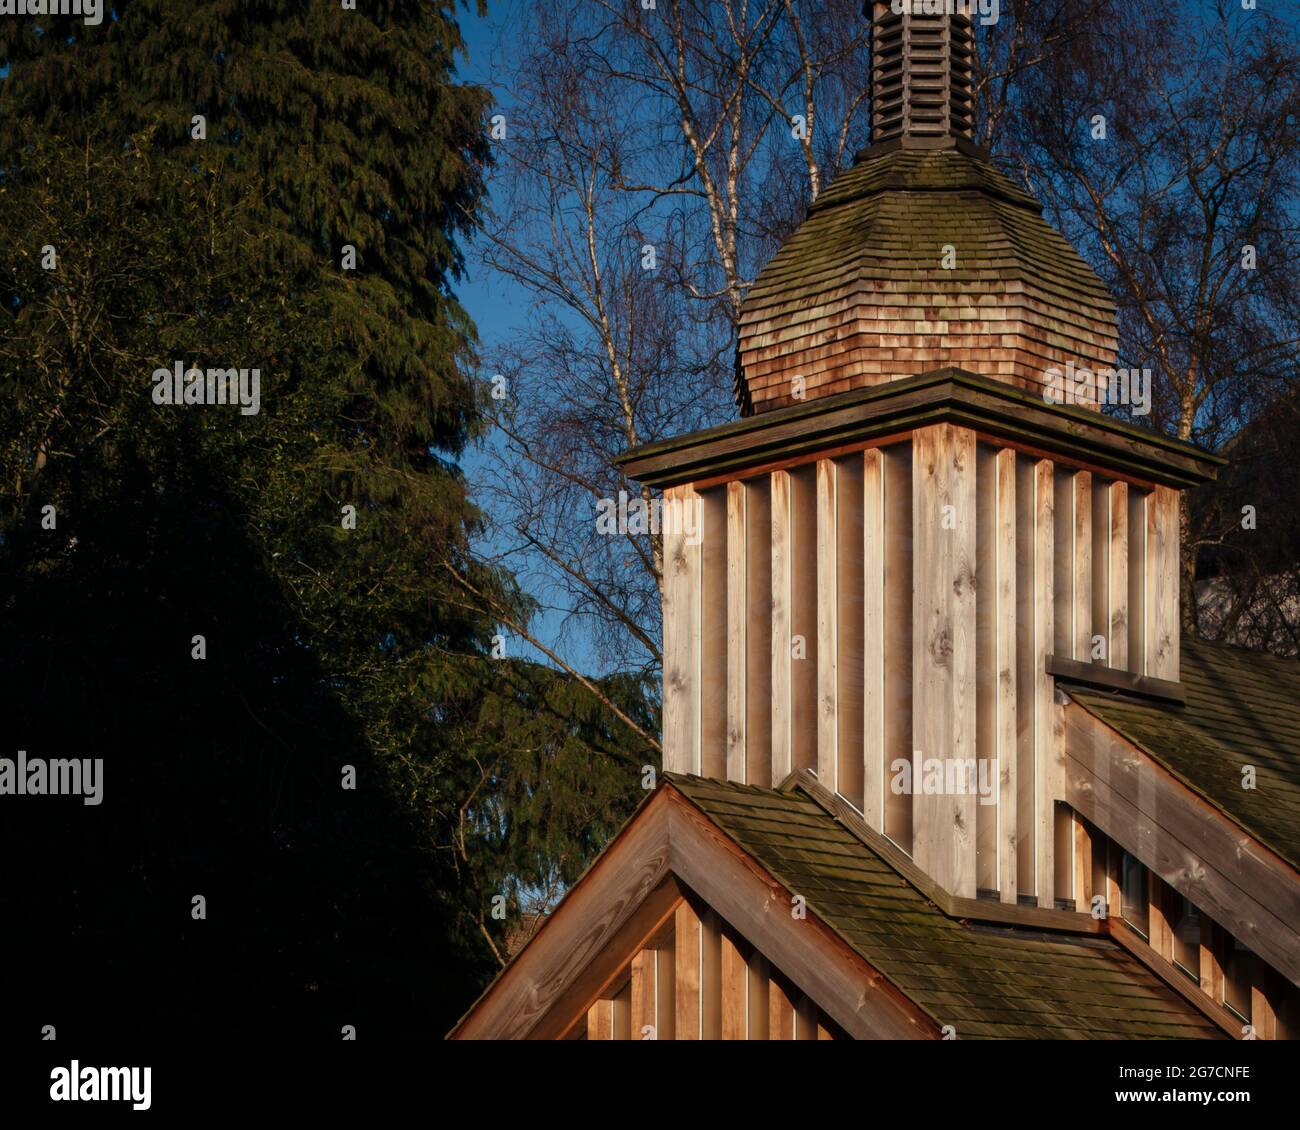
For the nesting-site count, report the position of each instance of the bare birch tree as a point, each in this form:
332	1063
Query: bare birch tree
1165	145
654	159
657	157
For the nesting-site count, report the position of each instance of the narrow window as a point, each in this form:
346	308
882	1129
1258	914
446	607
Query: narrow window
1134	908
1185	925
1237	961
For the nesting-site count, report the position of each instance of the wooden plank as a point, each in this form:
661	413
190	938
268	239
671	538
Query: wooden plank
805	1019
849	628
1026	544
996	667
824	1033
780	1011
600	1021
735	991
986	657
1082	865
1046	764
1099	848
1108	678
623	1012
1137	582
852	993
686	973
666	987
711	989
1110	569
681	679
1118	587
874	702
827	618
804	613
692	517
737	612
1063	831
943	651
1083	565
781	674
1005	626
613	910
714	624
1072	568
677	662
645	996
1263	1017
1114	893
1163	616
758	633
899	556
758	975
1161	938
1102	553
1063	560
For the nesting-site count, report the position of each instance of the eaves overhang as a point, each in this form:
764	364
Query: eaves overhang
862	416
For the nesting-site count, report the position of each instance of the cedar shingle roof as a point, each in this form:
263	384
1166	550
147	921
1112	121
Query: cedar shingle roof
1243	708
861	294
989	983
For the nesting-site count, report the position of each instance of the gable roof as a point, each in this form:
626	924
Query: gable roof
880	951
666	854
987	982
1242	708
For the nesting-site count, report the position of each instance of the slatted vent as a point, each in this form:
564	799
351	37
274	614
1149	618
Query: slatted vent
922	85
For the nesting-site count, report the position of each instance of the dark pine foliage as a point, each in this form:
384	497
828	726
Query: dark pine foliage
326	647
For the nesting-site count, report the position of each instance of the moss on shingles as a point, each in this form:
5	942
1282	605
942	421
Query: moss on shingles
988	984
1242	709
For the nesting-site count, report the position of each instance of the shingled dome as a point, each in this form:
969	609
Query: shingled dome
922	256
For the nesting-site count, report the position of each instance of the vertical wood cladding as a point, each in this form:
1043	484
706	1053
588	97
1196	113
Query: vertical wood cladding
879	608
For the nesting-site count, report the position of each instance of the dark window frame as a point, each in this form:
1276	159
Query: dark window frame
1141	881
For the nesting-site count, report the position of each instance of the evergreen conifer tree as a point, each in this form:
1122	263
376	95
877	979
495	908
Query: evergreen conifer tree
200	172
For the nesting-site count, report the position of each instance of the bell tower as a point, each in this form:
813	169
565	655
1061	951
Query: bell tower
907	537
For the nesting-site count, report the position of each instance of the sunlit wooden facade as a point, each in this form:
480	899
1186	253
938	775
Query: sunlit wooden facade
906	557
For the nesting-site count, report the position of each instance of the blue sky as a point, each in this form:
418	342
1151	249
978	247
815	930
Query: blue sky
498	306
495	305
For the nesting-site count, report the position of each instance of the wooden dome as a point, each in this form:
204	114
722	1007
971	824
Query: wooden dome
919	259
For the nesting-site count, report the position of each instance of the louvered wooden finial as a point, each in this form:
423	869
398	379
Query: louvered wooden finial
922	85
